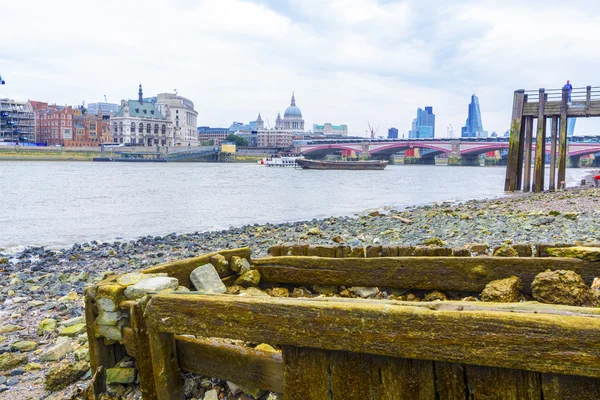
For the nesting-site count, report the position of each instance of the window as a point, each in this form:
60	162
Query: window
115	127
69	123
148	128
164	129
141	128
69	116
92	125
155	128
120	126
133	127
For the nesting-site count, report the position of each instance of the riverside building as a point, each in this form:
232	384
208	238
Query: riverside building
328	129
140	123
183	116
54	124
17	121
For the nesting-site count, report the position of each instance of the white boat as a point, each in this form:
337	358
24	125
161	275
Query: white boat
283	160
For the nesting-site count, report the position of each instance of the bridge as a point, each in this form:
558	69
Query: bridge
193	154
459	151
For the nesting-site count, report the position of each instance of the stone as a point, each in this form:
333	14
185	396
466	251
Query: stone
364	292
211	395
120	375
130	279
205	278
240	265
253	291
72	321
278	292
461	252
248	279
233	388
412	297
562	287
72	331
503	290
3	260
469	298
479	248
9	361
107	318
69	298
314	231
325	289
435	241
435	296
266	347
301	292
110	332
8	328
62	375
33	367
523	250
505	251
220	263
583	253
155	284
109	296
24	346
57	351
431	251
338	239
82	354
233	289
47	325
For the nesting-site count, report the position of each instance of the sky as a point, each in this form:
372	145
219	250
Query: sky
348	61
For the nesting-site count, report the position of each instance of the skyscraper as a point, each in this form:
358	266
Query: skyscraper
474	126
392	133
424	125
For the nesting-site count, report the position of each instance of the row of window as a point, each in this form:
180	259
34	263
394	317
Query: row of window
55	116
119	128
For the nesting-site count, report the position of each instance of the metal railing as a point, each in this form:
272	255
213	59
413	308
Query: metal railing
577	94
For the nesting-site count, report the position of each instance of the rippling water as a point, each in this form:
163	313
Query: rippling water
60	203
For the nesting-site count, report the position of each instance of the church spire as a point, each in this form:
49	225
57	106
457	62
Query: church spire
140	95
293	100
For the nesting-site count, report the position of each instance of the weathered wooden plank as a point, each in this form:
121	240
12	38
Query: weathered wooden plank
306	374
566	344
562	148
142	352
489	383
514	142
395	378
566	387
167	377
540	146
521	151
243	365
450	380
182	269
101	355
427	273
350	375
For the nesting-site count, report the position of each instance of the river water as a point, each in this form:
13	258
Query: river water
61	203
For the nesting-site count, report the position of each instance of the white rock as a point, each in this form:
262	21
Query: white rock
155	284
235	389
72	321
205	278
211	395
107	318
57	351
364	292
106	304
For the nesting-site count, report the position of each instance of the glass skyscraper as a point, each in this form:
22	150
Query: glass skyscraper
474	126
392	133
424	125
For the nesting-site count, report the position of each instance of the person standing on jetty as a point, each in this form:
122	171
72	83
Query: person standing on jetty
569	87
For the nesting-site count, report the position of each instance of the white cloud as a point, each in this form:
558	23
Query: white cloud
349	61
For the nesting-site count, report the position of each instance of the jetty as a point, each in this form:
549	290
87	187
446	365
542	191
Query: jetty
555	105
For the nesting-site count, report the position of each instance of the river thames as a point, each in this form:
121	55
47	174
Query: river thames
61	203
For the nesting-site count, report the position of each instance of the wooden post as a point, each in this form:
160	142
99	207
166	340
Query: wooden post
540	145
562	149
142	352
552	186
101	355
514	143
519	179
167	376
528	146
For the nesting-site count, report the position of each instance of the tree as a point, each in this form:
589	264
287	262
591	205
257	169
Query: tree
238	140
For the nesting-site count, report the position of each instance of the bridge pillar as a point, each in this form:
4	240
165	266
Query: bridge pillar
596	162
365	150
472	161
574	162
419	160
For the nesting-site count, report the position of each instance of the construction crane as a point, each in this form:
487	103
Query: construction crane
371	131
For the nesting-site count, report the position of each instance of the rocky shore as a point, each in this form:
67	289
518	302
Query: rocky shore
41	295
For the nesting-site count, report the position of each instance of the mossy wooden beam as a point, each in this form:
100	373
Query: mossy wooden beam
540	146
242	365
562	148
167	376
141	343
502	383
565	344
567	387
528	152
514	142
553	137
101	356
182	269
428	273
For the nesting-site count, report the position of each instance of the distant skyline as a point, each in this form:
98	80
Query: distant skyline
348	61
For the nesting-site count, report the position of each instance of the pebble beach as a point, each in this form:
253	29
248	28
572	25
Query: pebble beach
41	284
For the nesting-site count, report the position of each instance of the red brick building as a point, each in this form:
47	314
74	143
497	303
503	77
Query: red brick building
90	131
54	124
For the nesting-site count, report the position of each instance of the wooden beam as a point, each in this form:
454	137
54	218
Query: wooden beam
519	178
540	146
427	273
101	355
562	149
564	344
182	269
528	150
167	376
503	383
514	142
566	387
552	184
142	351
243	365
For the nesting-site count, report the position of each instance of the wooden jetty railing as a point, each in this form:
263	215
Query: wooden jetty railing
357	348
557	105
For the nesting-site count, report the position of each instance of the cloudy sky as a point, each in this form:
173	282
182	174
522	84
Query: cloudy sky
348	61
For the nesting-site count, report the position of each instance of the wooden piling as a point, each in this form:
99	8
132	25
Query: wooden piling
514	142
540	145
528	151
519	178
552	185
562	149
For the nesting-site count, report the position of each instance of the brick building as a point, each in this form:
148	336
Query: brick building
53	124
90	130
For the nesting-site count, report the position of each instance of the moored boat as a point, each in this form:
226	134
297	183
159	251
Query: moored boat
350	165
281	160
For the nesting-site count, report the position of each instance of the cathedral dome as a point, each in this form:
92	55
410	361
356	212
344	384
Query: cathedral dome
293	111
